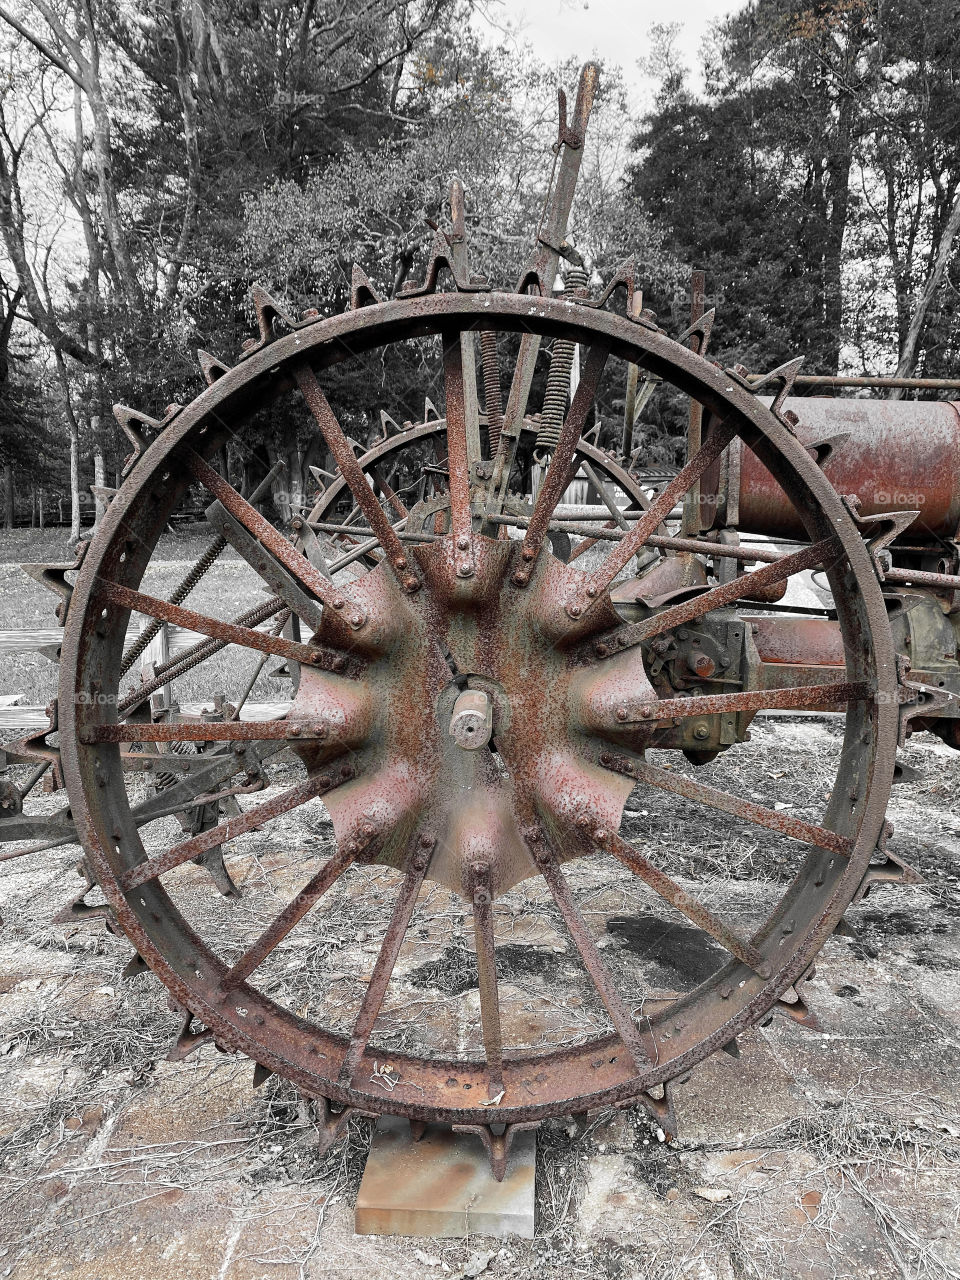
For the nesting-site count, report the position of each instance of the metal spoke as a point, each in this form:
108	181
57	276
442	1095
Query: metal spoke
556	882
392	498
290	916
599	582
557	478
671	892
210	731
603	494
187	584
261	663
292	798
482	897
170	671
800	697
263	531
458	459
460	256
387	959
352	472
228	632
748	553
277	578
773	819
675	615
362	531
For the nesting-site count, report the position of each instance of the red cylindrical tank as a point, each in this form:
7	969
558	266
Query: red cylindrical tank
900	455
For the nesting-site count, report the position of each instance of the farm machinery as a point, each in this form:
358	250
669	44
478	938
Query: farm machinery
495	632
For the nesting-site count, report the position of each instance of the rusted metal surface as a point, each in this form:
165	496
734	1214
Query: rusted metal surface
674	615
346	462
151	868
557	478
289	917
896	455
474	708
481	894
678	898
690	524
386	960
272	540
876	383
190	620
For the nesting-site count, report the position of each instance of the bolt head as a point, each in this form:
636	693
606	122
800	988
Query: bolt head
520	579
463	544
621	714
591	592
574	610
528	553
602	650
600	835
465	570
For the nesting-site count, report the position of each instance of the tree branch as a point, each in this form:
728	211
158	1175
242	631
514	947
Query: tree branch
42	47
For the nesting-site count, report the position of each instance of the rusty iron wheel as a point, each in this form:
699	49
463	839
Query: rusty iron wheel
457	632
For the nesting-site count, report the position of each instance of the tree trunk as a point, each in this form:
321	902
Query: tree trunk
838	205
8	508
908	353
99	478
74	434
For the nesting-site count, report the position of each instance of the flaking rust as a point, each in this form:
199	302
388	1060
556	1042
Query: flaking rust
488	622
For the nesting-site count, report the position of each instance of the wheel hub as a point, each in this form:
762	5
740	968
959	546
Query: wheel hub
539	769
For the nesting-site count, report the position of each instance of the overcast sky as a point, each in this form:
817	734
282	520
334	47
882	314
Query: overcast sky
614	30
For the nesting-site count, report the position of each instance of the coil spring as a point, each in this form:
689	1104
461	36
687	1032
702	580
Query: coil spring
179	595
492	398
561	363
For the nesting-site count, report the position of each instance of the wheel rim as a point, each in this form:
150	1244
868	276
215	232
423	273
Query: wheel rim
552	753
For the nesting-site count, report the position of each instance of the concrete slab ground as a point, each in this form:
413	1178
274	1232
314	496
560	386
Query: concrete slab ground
814	1156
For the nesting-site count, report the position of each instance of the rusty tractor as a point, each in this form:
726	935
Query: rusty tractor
494	631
